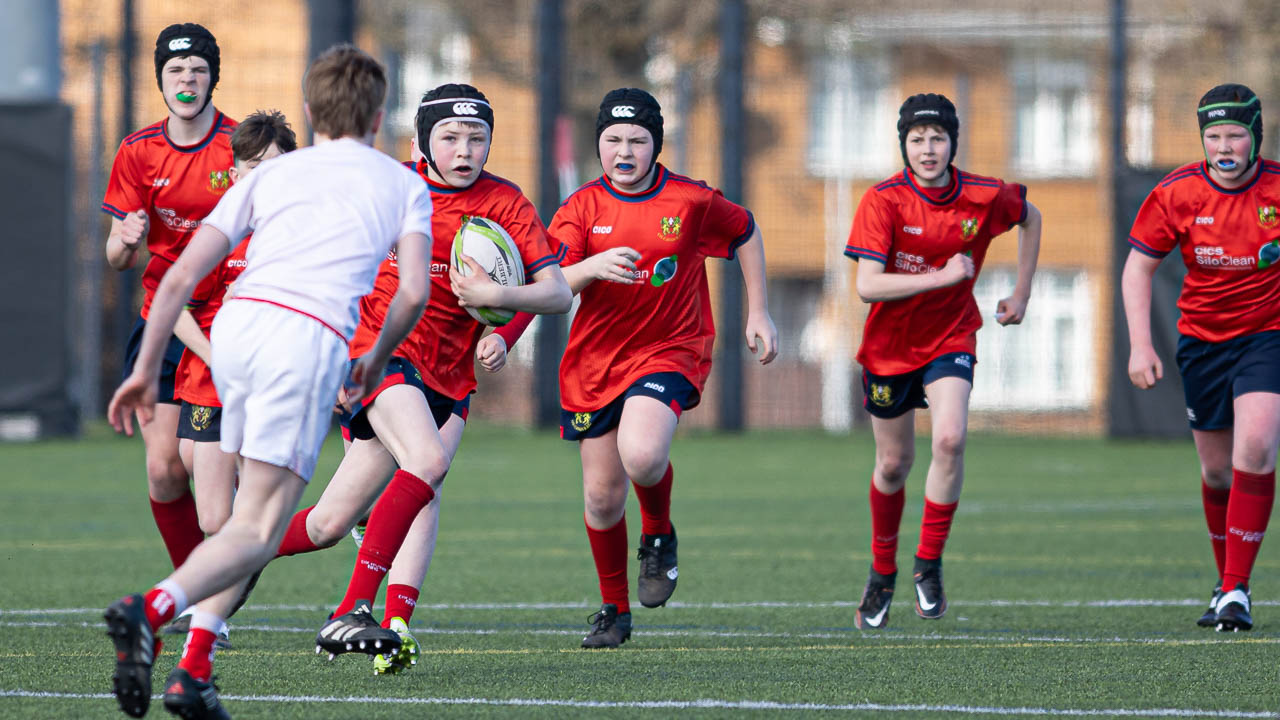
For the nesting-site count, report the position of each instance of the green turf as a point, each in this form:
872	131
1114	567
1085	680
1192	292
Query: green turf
766	517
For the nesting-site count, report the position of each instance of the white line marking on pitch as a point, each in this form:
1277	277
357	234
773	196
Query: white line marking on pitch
700	705
767	604
657	631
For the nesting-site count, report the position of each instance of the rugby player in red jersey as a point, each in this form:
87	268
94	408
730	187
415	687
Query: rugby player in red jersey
639	350
1221	214
919	239
410	427
262	136
166	177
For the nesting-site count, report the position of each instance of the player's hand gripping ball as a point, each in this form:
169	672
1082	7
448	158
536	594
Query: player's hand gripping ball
486	242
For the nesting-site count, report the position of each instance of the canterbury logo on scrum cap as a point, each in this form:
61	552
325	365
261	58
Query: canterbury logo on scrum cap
623	111
927	112
465	108
471	103
182	43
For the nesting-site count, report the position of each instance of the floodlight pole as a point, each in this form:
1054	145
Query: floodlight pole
550	339
733	24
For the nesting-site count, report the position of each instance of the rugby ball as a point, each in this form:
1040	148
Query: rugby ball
486	242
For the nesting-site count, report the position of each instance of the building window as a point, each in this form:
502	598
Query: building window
1056	127
852	114
1047	362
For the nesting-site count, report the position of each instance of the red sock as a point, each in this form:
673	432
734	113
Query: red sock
159	606
1252	495
886	516
296	539
935	526
179	526
389	522
401	600
1215	516
197	653
655	506
609	550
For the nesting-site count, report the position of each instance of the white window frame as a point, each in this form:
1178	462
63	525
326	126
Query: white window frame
852	112
1055	122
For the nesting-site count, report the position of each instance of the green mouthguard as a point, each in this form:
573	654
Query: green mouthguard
186	97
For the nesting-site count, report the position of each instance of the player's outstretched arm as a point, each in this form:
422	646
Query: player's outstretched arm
876	285
126	238
137	394
613	265
762	335
1012	309
189	332
1145	367
548	294
413	257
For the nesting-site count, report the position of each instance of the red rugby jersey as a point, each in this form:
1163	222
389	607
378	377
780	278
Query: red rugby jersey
663	322
1232	286
442	345
909	230
193	380
176	185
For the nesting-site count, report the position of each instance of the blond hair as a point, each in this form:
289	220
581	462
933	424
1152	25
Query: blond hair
344	88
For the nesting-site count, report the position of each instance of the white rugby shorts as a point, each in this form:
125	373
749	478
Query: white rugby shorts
277	372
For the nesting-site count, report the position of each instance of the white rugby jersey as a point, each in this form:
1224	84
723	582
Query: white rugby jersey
322	219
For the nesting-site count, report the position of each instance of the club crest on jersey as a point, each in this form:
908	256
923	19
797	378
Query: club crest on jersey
581	421
881	395
969	228
200	417
219	180
1267	216
670	229
664	270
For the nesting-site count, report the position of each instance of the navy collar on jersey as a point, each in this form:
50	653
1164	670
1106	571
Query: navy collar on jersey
1204	172
218	120
957	181
659	181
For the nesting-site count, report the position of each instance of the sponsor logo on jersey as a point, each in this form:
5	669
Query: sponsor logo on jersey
1269	254
664	270
908	263
913	229
219	180
581	421
601	229
1204	220
200	417
881	395
160	182
1267	216
233	263
621	111
1217	257
171	219
656	386
183	43
969	228
670	230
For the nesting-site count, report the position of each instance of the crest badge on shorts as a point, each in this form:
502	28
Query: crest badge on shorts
581	421
200	417
881	395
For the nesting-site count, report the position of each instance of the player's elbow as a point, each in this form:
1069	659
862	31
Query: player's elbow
562	299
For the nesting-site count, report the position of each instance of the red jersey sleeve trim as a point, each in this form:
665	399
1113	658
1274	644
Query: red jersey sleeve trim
545	262
744	237
113	211
1022	192
858	253
1145	249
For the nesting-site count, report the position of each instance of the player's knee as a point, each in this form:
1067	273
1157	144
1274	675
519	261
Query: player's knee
605	502
1254	455
211	521
948	444
893	469
325	530
1217	477
644	467
430	468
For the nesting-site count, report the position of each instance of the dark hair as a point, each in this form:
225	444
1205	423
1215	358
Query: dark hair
257	132
344	89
